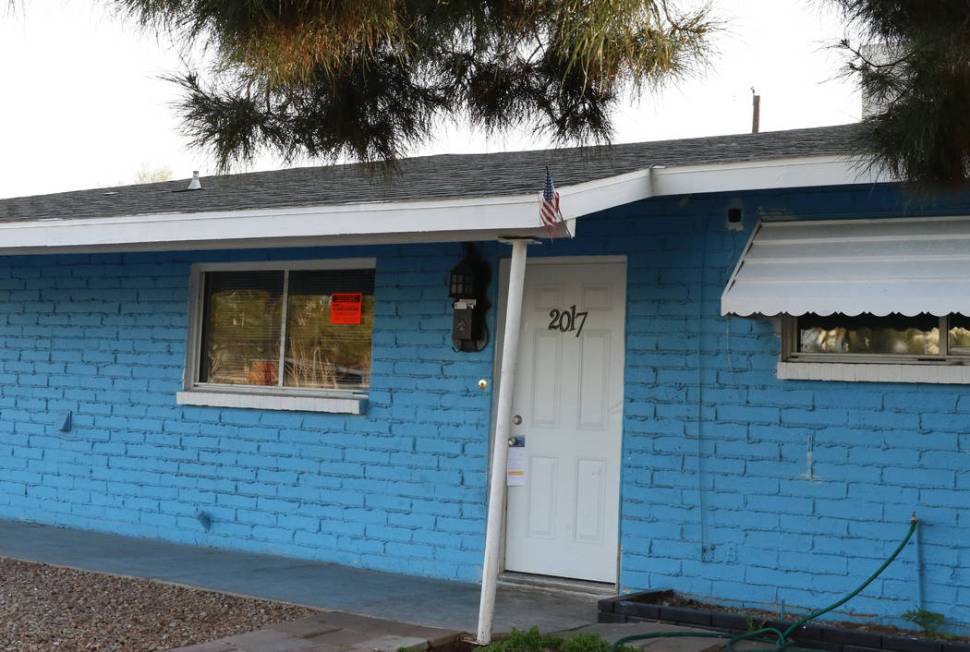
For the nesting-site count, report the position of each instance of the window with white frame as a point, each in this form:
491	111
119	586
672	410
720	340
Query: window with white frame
867	338
288	328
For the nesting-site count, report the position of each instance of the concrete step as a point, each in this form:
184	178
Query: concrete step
557	585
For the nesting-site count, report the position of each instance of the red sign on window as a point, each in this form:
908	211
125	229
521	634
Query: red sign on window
346	307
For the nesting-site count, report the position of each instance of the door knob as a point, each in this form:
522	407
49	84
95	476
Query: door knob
517	420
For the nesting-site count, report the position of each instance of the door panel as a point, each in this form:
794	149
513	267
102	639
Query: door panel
569	393
590	494
545	395
542	506
594	382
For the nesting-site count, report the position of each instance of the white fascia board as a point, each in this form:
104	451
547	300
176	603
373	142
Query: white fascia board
412	221
765	175
595	196
477	218
300	241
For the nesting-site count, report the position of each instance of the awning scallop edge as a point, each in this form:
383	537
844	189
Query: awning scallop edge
878	266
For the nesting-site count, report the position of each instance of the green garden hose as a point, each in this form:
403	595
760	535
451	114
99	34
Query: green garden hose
780	638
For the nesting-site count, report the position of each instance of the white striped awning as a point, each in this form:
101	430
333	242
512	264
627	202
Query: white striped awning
883	266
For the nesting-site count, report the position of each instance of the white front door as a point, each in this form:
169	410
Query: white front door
568	406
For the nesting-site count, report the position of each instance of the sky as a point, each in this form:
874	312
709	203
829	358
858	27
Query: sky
83	103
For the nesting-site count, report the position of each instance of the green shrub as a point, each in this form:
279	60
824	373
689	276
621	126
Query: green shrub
534	641
929	622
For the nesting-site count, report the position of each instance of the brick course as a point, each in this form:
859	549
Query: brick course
718	499
750	527
103	337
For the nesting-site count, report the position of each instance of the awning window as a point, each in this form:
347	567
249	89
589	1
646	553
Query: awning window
904	265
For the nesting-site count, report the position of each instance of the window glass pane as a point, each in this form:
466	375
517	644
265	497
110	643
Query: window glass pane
242	317
893	334
959	335
329	320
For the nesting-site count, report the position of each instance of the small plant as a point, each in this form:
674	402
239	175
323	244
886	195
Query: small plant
585	643
534	641
530	641
929	622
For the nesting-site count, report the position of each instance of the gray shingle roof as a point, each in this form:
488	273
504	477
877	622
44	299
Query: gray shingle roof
424	178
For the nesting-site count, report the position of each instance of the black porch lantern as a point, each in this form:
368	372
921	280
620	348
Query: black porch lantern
462	283
466	287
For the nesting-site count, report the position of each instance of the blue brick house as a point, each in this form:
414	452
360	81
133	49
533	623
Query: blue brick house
738	369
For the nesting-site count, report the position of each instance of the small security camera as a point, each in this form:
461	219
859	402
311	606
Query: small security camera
734	220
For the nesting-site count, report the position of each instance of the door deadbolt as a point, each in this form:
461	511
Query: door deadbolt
517	420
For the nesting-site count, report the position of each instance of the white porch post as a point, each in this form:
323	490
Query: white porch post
500	450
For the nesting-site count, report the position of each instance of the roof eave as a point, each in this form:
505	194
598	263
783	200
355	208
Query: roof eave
796	172
479	218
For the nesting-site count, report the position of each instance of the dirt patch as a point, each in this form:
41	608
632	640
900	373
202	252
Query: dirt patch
49	608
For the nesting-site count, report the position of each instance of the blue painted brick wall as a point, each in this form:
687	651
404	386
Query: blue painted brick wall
714	498
103	336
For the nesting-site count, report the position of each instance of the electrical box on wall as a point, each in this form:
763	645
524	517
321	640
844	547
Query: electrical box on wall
463	324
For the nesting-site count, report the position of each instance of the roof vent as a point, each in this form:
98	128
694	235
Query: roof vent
195	183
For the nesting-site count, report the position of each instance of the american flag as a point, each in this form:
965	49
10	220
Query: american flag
549	211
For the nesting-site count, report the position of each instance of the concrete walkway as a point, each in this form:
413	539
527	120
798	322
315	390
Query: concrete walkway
336	632
332	631
418	601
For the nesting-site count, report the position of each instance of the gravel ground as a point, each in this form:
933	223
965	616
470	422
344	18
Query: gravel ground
48	608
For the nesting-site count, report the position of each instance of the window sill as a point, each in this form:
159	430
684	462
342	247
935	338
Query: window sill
351	404
875	373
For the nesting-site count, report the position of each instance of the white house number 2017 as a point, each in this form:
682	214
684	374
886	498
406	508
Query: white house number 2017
567	321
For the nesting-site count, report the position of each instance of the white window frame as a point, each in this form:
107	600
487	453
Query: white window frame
870	367
280	397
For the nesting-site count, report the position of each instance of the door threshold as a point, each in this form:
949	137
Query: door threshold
551	584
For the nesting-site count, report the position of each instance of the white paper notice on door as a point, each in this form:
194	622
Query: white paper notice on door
515	467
